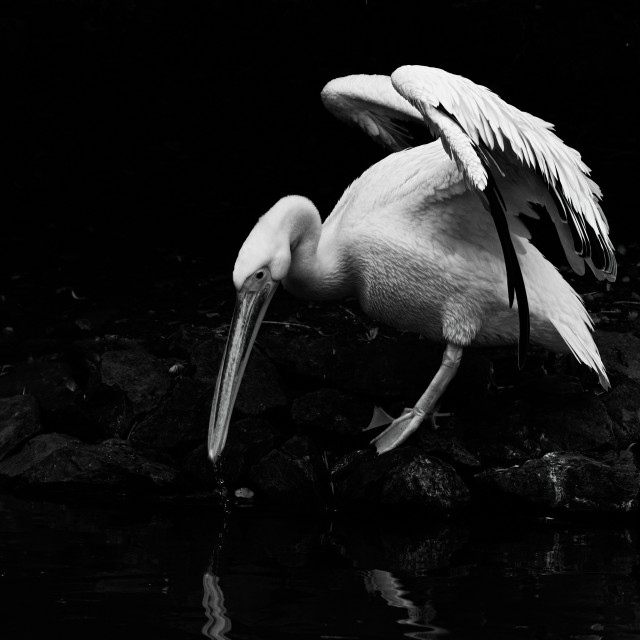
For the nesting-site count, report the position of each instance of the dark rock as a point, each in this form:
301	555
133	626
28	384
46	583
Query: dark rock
384	369
142	378
35	451
110	411
126	383
539	421
499	437
623	405
390	369
446	443
187	336
86	355
405	478
551	386
248	441
342	464
504	369
204	350
332	411
469	391
179	422
50	380
620	353
39	347
19	421
292	478
570	422
197	466
569	481
58	462
11	348
54	384
261	388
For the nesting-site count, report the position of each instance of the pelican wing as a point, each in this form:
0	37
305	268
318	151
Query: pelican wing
485	136
371	103
504	154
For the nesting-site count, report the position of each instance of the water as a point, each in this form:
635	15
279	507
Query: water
163	571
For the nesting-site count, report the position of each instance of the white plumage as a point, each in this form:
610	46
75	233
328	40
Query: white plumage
429	239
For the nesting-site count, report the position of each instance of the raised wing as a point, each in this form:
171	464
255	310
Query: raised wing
371	103
486	135
496	147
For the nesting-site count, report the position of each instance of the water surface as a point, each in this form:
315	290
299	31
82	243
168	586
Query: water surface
167	571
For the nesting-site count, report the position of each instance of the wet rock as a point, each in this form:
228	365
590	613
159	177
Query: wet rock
19	421
140	376
59	462
405	478
179	422
623	405
292	478
331	411
569	481
447	444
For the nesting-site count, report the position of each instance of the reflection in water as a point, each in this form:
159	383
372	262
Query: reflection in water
96	572
217	624
395	595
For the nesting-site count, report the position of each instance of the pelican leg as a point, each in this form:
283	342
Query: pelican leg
401	428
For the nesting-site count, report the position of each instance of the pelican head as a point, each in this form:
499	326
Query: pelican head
262	263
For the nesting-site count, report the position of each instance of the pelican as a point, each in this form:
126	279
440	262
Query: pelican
431	239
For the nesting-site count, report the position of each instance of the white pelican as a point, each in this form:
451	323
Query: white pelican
429	239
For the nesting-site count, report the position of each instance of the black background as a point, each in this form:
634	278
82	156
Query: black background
140	130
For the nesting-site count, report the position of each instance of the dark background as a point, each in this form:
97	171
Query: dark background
141	136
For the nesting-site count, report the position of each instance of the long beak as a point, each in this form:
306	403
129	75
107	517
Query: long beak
251	304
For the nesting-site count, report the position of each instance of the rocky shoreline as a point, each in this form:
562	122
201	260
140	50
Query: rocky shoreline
104	413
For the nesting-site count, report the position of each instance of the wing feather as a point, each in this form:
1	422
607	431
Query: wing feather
371	103
513	134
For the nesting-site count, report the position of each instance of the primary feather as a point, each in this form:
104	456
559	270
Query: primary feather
455	108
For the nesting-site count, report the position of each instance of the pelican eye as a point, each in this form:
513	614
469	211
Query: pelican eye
259	275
